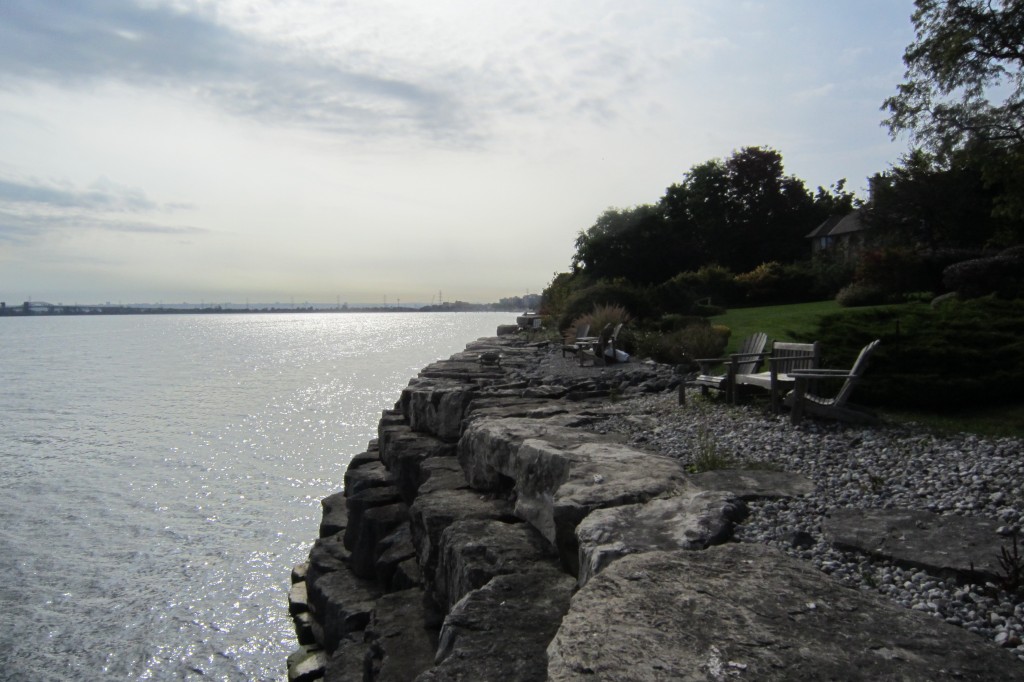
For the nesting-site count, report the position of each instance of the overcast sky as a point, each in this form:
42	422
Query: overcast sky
371	150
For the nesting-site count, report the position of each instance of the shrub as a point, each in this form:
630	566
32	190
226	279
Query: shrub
714	282
673	296
964	353
583	302
680	346
1002	274
860	294
773	282
600	317
704	341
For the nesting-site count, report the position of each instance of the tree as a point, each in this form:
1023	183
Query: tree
633	243
743	211
919	203
965	52
964	90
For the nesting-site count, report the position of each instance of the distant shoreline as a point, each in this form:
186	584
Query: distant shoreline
50	310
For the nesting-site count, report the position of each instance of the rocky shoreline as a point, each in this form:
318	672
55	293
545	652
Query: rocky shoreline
530	519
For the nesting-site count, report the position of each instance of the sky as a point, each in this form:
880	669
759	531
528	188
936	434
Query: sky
398	151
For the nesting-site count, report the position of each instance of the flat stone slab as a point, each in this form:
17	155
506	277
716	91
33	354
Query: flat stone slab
749	612
754	484
962	547
695	519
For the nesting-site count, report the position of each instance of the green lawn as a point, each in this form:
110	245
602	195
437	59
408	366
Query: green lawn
795	322
799	322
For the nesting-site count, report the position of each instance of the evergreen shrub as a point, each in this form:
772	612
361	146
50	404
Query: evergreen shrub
960	354
1002	274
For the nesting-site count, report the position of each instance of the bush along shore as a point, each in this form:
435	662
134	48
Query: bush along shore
520	517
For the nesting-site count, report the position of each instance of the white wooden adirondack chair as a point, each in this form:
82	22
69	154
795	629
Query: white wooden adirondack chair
801	402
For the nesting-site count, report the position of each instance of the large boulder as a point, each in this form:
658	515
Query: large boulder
694	519
400	646
436	407
754	484
751	612
475	550
499	632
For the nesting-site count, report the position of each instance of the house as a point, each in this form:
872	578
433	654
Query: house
844	236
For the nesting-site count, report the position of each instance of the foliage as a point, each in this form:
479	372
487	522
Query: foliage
712	281
829	274
965	54
634	243
964	84
583	301
859	294
776	283
707	454
960	354
555	295
673	296
698	339
600	317
922	202
742	211
1002	274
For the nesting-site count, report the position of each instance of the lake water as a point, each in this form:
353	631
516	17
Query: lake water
160	476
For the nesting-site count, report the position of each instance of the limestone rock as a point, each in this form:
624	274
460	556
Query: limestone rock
433	512
401	647
487	445
475	550
391	552
348	662
358	504
695	519
754	484
750	612
341	604
370	475
306	664
403	452
437	407
499	633
377	524
962	547
334	518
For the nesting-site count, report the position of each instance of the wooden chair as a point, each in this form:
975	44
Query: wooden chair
785	358
802	402
598	350
746	360
578	341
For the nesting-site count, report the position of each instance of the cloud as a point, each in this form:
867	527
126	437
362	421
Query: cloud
90	41
30	209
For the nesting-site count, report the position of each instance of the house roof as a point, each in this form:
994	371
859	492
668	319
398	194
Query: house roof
837	225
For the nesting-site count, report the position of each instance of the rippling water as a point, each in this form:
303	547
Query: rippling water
160	475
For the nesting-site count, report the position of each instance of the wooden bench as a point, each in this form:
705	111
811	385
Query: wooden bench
785	357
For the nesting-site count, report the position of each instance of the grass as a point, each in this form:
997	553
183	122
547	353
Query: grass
797	322
995	421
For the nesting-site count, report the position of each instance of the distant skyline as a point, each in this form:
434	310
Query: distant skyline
352	150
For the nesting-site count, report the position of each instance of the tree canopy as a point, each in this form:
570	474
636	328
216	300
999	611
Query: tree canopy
964	80
738	213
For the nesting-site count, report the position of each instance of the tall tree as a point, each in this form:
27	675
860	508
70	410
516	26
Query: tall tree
964	88
965	53
742	212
